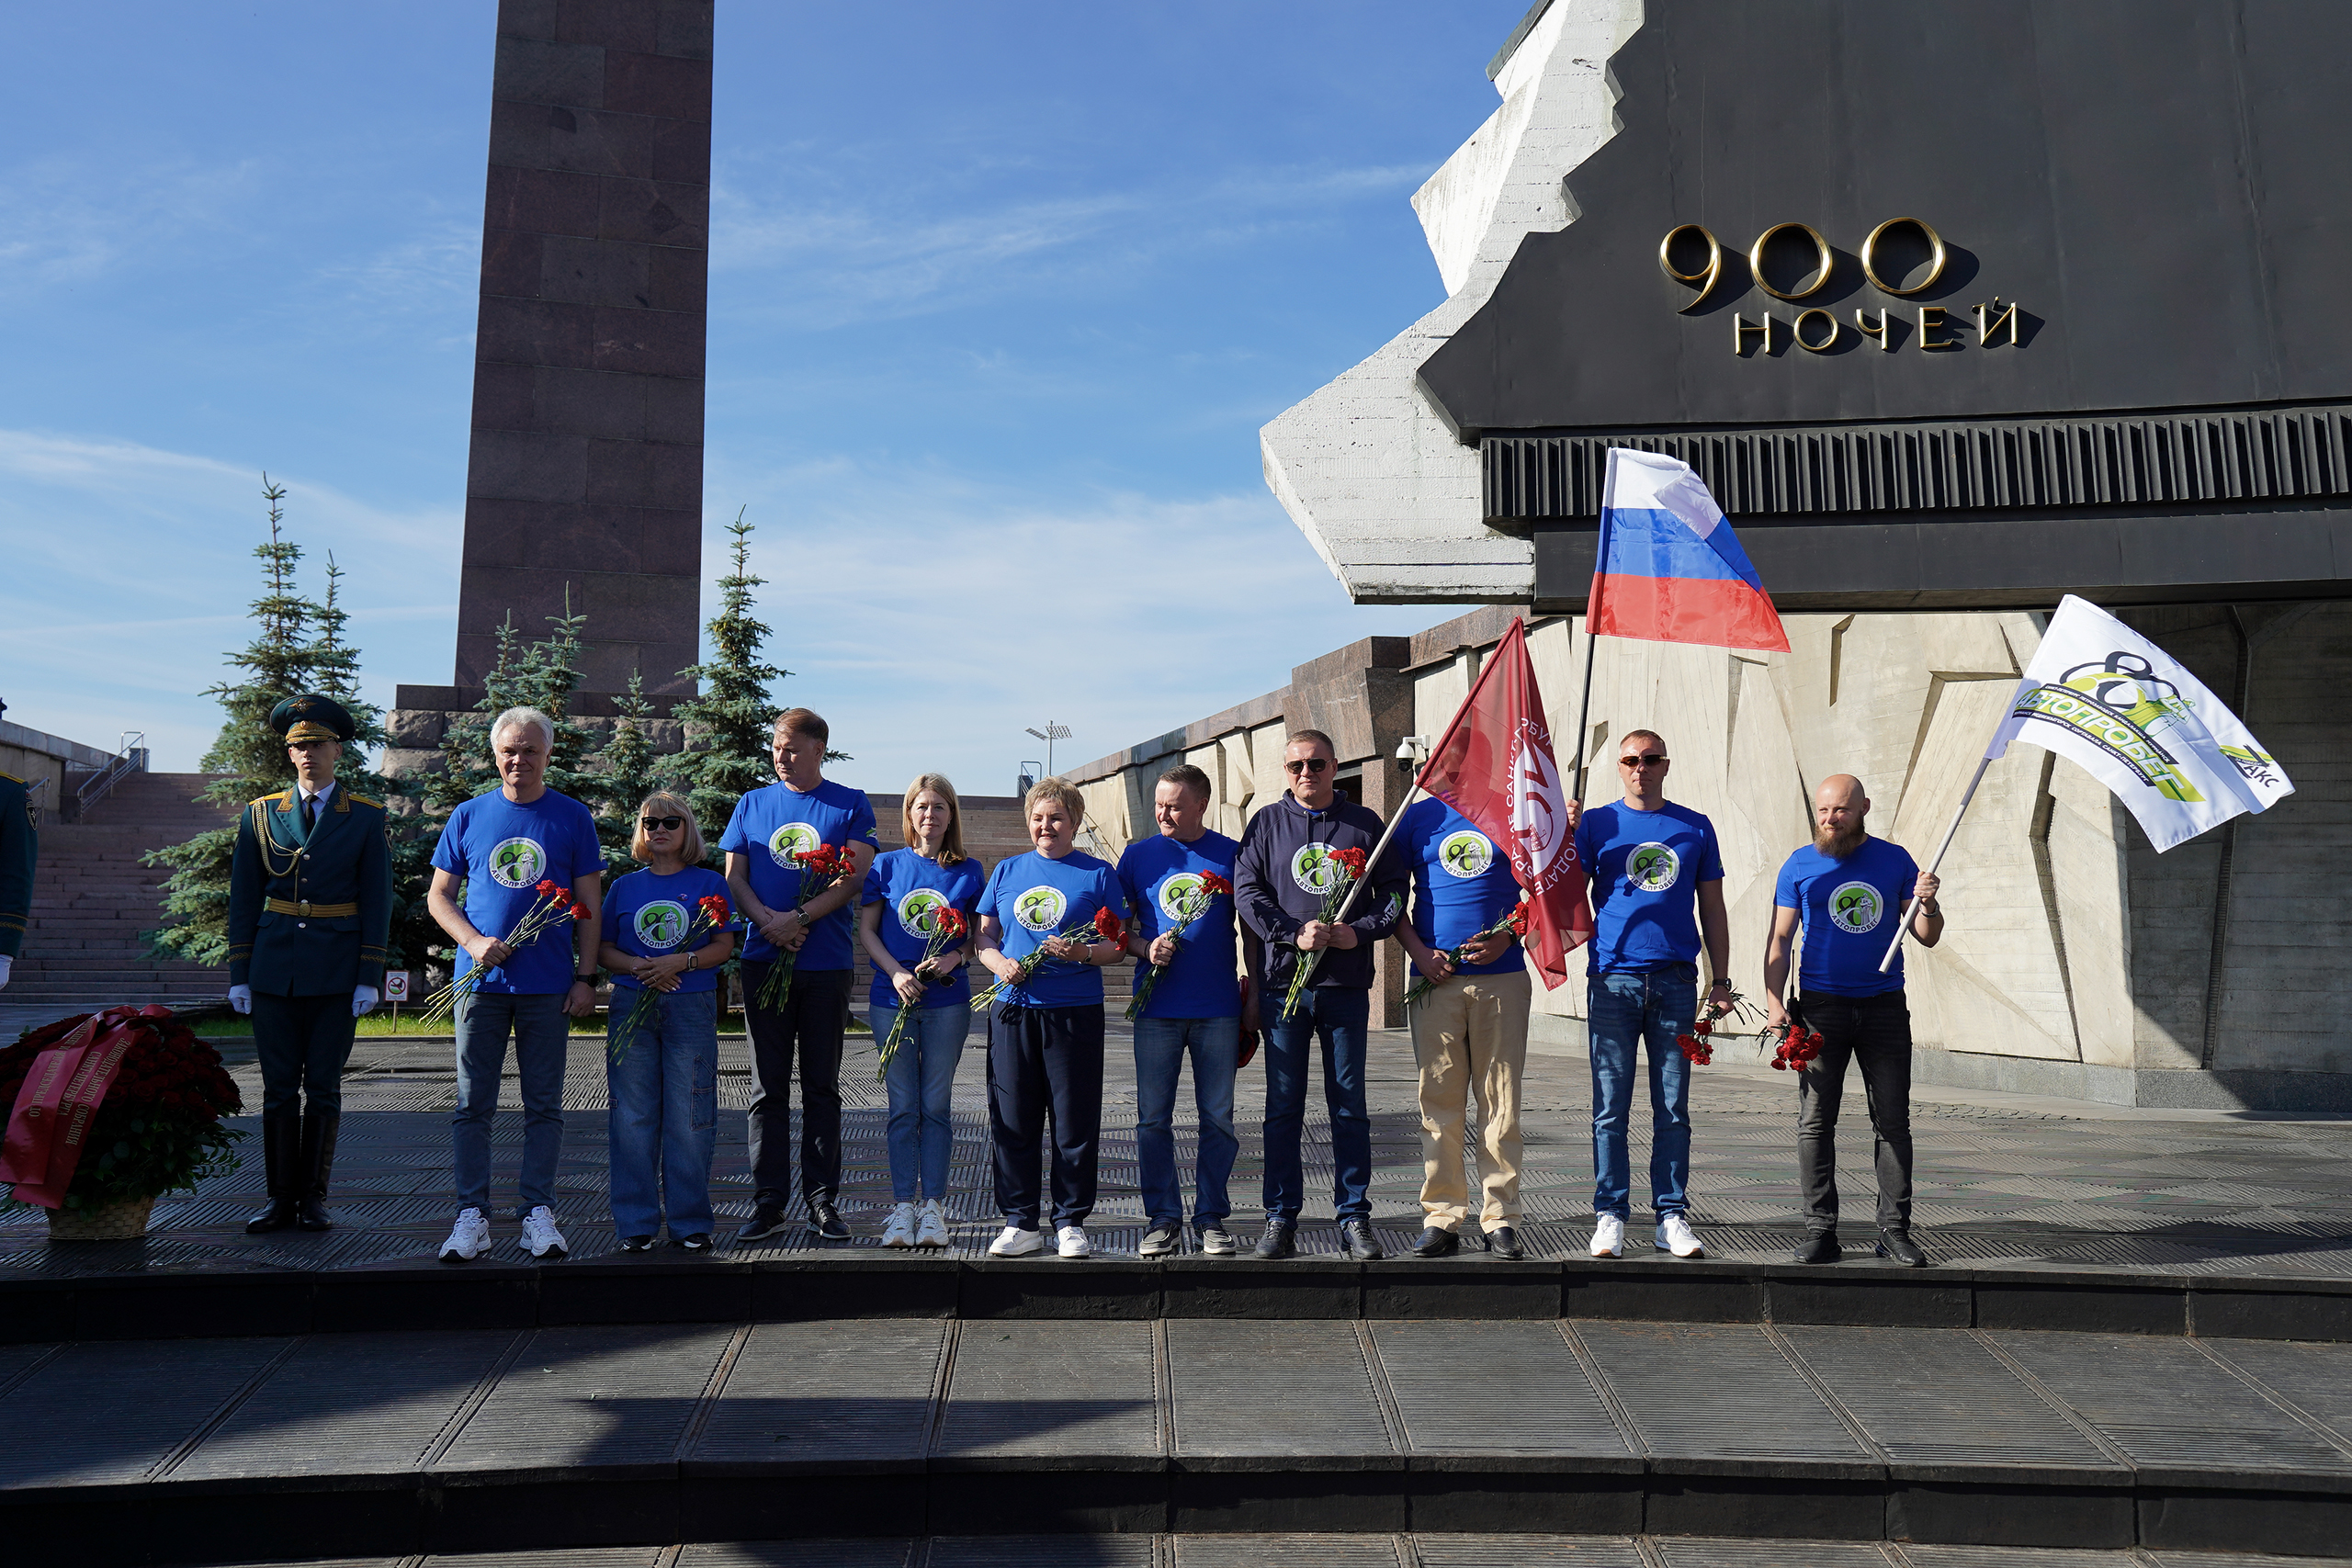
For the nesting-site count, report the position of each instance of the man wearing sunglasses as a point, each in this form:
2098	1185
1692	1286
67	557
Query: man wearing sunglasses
1282	876
1655	865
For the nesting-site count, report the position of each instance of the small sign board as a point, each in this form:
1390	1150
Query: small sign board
396	984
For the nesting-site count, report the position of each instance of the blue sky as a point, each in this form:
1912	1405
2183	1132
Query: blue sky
1001	296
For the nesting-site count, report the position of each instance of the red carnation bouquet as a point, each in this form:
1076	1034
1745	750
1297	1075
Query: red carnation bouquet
1347	866
1513	925
554	907
1104	927
945	925
711	915
1799	1044
821	870
1697	1047
116	1107
1191	905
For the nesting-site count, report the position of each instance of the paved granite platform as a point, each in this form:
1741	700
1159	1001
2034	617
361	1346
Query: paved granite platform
400	1443
1409	1551
2005	1182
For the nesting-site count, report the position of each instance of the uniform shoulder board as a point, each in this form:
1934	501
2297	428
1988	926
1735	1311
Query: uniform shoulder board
10	778
273	799
358	799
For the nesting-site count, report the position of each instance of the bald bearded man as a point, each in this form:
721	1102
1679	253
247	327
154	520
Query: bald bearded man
1848	889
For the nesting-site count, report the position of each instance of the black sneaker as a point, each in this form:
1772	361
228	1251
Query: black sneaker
1898	1248
1279	1241
1160	1240
1821	1248
697	1241
827	1221
766	1220
637	1244
1362	1246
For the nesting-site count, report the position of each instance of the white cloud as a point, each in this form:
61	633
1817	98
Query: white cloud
67	219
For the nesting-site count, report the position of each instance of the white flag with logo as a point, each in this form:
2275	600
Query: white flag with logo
2103	696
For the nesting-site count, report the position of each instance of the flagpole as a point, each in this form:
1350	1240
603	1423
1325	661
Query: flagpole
1912	909
1591	608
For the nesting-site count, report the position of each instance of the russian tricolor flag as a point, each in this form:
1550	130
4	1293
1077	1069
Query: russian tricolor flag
1669	567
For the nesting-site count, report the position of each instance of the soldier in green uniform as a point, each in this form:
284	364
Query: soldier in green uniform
19	844
310	909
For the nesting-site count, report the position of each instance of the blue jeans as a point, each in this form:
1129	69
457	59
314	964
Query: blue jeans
1161	1045
664	1120
1339	1016
542	1032
1649	1008
922	1081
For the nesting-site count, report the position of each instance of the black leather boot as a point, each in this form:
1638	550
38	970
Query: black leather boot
281	1140
319	1129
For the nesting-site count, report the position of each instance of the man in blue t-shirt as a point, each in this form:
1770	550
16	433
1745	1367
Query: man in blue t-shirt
1845	888
1193	1008
501	847
812	934
1657	881
1471	1028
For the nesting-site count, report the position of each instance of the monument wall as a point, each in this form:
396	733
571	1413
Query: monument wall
2077	961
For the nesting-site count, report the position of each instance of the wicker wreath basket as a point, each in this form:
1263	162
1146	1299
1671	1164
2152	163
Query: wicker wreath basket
123	1220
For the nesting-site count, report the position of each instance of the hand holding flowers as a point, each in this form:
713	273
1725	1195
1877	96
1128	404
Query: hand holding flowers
947	926
554	907
657	976
1191	906
1513	925
1347	869
1069	946
821	870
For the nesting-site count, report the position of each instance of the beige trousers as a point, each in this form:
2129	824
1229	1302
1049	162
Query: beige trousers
1471	1030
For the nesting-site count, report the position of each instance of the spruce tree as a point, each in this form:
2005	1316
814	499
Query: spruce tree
729	725
628	776
298	647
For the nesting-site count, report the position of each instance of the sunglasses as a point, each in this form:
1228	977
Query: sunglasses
661	824
1647	760
1308	765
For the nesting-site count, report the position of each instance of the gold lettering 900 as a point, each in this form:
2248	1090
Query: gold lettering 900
1705	279
1935	253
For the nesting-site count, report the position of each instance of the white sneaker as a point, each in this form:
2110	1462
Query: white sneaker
1017	1243
1675	1236
540	1238
1608	1236
1074	1242
900	1231
469	1240
934	1232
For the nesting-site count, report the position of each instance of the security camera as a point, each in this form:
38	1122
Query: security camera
1413	748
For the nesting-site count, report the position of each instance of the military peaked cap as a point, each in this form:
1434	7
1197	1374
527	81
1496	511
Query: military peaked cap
312	718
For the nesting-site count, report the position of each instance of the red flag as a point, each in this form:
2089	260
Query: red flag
1494	766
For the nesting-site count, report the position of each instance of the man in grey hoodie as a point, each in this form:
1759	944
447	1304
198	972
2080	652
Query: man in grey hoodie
1286	866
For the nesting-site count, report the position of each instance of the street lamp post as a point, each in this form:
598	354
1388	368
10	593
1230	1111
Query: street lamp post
1051	733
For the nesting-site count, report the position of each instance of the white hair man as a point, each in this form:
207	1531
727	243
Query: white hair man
503	849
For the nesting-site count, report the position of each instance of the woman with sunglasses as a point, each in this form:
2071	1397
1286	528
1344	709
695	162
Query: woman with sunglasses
907	891
663	1072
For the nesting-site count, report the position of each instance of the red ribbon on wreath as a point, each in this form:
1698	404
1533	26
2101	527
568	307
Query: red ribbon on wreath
62	1093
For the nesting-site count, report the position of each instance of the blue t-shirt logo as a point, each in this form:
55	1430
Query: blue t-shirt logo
1175	895
661	923
1466	854
919	911
1653	868
517	863
1040	909
1316	868
1856	907
793	838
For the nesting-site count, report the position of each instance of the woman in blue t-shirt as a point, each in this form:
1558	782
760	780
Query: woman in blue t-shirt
906	891
663	946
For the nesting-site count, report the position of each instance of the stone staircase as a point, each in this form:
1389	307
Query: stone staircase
92	898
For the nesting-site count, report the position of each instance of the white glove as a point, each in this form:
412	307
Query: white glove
363	1000
7	963
242	998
